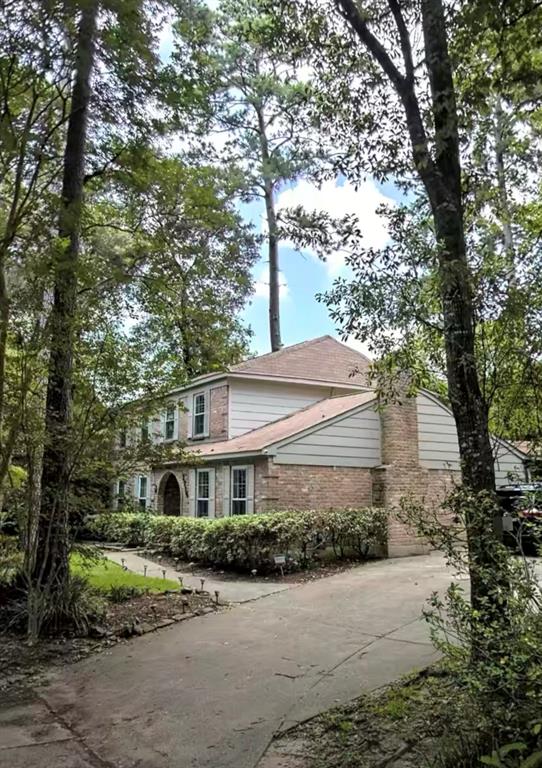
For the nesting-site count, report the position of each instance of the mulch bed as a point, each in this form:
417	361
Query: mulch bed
318	571
23	666
406	725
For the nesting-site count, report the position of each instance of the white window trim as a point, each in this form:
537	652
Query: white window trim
140	497
170	407
199	498
145	431
246	498
119	500
205	432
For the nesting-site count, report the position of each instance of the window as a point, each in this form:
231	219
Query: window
122	438
239	491
121	493
170	422
145	431
142	492
200	415
202	495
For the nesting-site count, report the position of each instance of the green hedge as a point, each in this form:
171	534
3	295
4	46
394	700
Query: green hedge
249	541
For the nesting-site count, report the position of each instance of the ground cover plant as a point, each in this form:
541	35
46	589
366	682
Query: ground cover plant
108	577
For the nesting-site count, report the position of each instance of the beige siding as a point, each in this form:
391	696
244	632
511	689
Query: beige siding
439	448
253	404
437	436
508	468
353	441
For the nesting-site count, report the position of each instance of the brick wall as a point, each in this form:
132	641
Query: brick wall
158	479
402	476
218	413
183	421
219	490
298	486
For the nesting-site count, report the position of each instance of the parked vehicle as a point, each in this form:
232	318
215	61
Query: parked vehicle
522	515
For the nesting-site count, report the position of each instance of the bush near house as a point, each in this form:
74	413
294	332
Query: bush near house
250	541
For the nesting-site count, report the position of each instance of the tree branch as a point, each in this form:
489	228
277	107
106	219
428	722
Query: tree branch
350	11
404	37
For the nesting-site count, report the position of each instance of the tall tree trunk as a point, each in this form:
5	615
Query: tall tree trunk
441	177
272	236
445	195
440	173
50	567
274	271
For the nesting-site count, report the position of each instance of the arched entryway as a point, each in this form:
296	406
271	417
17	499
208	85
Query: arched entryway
172	496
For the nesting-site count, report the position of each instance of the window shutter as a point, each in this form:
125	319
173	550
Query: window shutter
162	426
211	493
136	487
250	489
176	423
206	420
192	493
226	497
189	403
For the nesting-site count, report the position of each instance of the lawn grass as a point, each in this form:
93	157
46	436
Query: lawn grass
104	574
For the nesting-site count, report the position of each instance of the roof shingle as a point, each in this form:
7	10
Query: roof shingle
321	359
289	426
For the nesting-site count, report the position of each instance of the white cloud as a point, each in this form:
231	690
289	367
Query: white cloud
261	286
338	201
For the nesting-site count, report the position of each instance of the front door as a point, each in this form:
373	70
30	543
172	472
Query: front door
172	496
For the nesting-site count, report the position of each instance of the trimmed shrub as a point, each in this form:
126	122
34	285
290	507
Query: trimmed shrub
129	528
250	541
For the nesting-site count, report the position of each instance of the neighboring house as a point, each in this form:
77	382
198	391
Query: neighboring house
533	453
300	429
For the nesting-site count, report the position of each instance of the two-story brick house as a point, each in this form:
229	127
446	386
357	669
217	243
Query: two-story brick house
300	428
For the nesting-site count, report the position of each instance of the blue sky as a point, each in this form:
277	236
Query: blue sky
303	276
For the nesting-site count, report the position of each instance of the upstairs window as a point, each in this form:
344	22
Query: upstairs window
122	438
200	415
239	491
145	431
202	499
170	422
142	492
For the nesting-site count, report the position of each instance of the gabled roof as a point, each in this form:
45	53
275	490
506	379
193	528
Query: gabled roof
307	419
321	359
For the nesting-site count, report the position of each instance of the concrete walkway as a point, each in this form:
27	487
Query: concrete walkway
210	693
231	590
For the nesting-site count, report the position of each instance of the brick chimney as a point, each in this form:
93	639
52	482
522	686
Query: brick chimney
400	473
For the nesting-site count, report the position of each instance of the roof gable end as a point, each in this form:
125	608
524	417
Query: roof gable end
321	359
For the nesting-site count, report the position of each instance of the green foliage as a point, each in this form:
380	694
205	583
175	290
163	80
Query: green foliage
513	756
247	542
197	253
16	476
72	607
492	645
11	560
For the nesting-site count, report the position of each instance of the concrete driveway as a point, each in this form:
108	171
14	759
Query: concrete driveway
211	692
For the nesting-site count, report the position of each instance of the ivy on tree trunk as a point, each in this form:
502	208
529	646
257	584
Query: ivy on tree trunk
51	568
